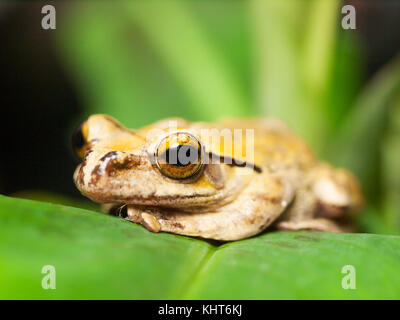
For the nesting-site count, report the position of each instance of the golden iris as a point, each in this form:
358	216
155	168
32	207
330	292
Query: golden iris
179	156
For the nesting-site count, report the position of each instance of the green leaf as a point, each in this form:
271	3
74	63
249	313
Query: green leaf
95	255
301	265
57	198
99	256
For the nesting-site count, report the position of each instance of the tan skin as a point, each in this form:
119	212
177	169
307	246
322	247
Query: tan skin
283	185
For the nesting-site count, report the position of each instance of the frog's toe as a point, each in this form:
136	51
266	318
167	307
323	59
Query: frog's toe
336	190
150	222
147	220
318	224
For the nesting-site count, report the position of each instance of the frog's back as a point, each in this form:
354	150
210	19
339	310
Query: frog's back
275	145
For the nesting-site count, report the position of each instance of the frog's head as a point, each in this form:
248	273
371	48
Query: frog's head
146	167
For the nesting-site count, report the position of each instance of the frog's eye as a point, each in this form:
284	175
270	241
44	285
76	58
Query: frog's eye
79	137
178	156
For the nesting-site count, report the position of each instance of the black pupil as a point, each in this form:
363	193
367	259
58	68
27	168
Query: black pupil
78	141
181	156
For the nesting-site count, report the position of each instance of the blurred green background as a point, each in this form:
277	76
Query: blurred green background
141	61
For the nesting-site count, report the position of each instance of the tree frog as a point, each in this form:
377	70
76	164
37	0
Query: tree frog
259	174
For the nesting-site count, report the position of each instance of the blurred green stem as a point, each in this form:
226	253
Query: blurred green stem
391	166
319	45
358	142
292	68
181	42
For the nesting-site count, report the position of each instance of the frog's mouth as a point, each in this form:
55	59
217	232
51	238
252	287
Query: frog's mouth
171	201
123	210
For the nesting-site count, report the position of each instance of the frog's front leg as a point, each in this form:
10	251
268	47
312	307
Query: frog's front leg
325	202
257	206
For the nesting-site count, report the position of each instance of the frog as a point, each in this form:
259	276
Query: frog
264	178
